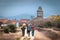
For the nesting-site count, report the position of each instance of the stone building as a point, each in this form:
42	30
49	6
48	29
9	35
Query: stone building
40	12
39	19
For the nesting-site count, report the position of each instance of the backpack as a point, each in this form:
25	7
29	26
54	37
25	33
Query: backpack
23	28
29	28
33	28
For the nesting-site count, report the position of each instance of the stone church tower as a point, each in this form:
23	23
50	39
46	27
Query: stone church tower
40	12
39	19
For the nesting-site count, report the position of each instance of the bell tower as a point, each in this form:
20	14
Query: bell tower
40	12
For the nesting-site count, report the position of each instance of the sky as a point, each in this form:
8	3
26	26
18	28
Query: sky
22	9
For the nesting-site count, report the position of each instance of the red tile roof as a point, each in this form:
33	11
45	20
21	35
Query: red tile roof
4	20
13	21
24	20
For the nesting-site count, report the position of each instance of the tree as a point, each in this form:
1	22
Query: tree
56	20
48	24
1	23
12	28
6	30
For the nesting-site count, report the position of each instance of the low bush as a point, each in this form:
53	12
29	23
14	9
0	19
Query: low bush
6	30
12	28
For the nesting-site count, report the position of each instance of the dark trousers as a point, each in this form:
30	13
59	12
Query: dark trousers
28	31
32	32
23	32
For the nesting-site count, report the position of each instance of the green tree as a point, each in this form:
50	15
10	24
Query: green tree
6	30
48	24
56	20
1	23
12	28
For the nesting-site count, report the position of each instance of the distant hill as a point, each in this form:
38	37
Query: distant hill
20	16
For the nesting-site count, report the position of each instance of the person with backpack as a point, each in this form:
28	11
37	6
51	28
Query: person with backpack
32	32
29	28
33	28
23	30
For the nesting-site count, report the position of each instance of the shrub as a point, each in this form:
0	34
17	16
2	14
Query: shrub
12	28
6	30
0	24
57	29
48	24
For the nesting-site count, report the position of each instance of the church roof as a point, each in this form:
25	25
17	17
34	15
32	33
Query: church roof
40	7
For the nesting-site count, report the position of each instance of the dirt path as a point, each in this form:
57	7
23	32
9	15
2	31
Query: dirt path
47	34
44	34
40	36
